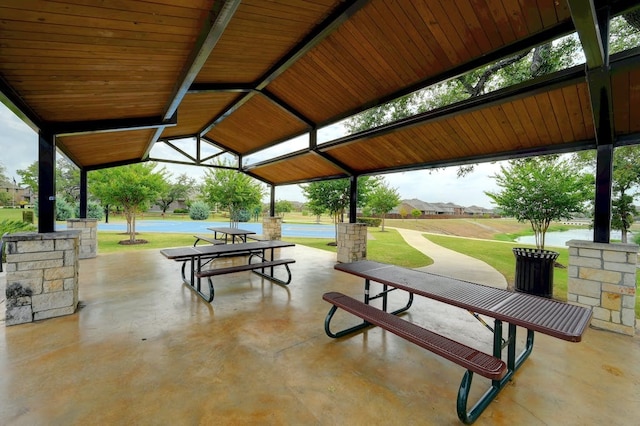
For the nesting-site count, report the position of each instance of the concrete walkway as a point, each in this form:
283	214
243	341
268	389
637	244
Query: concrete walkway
453	264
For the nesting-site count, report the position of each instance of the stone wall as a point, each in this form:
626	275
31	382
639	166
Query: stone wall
88	237
42	275
272	228
352	242
603	277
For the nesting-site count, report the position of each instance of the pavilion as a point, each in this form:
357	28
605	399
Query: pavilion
106	82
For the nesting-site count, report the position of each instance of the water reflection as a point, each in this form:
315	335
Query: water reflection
559	239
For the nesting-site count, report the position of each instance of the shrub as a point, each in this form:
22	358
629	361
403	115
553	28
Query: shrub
199	210
241	216
180	211
13	226
64	210
371	222
94	210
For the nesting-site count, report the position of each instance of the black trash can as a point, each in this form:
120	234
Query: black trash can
534	271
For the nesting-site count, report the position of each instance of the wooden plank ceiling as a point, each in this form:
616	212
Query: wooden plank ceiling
112	78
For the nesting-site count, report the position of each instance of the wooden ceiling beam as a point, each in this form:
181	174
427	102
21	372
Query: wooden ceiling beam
214	26
110	125
323	30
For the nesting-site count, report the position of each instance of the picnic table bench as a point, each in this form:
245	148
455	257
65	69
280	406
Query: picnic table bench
197	257
551	317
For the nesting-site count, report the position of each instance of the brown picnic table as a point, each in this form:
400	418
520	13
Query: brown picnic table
197	258
533	313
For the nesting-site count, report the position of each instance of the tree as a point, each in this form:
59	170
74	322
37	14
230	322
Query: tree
383	199
524	66
67	180
3	174
232	190
334	195
283	206
541	190
173	191
316	209
626	181
29	176
416	214
403	212
5	197
133	187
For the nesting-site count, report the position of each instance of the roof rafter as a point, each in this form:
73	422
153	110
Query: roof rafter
330	24
110	125
215	25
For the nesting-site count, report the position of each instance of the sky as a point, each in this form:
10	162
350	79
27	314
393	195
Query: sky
19	149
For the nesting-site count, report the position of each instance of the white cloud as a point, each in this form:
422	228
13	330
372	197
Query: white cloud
18	143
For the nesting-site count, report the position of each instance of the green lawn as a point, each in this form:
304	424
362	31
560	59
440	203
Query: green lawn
387	246
500	256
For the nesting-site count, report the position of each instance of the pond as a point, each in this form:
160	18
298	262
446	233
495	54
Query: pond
199	227
559	239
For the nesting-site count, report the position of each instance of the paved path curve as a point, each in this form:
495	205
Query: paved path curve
453	264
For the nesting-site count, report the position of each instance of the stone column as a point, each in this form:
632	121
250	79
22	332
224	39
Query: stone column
352	242
42	275
272	228
88	237
603	277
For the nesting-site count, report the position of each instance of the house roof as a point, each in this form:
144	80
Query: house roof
112	79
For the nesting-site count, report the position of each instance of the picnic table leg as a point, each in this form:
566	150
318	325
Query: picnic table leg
513	363
271	275
383	294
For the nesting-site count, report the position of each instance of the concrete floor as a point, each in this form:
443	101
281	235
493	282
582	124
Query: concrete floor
144	349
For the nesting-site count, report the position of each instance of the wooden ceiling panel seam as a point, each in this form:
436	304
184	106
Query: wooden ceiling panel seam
381	52
516	123
587	111
516	18
526	121
561	113
537	118
411	69
576	115
474	33
531	16
501	20
485	17
102	22
422	40
432	26
10	29
121	11
413	41
548	13
620	85
466	48
450	135
481	120
501	123
330	64
465	131
481	135
550	120
634	99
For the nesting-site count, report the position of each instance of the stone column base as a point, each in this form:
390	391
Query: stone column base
88	237
352	242
42	275
272	228
603	277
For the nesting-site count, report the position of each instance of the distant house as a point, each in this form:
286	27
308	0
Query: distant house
17	196
439	209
